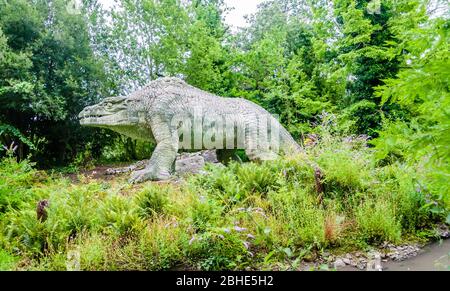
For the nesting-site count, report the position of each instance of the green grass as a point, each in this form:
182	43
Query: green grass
258	216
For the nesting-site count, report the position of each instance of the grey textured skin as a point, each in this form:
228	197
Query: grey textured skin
148	114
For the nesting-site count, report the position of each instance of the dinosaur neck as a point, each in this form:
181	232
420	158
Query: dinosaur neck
138	132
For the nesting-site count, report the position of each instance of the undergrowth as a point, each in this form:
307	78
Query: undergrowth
237	217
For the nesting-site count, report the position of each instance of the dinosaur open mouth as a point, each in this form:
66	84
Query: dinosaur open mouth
94	116
88	116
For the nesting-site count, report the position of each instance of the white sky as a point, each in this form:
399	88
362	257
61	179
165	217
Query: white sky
234	18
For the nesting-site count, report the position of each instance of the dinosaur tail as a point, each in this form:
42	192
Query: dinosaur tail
287	143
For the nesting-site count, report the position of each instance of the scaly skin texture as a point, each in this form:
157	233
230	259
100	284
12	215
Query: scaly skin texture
158	111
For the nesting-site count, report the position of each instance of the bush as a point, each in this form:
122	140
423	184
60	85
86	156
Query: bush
377	222
7	261
299	217
204	213
119	215
152	200
345	169
218	249
16	179
257	178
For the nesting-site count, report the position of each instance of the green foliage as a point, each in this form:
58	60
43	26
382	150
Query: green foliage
345	167
7	261
204	212
377	222
422	87
119	215
125	149
16	180
218	249
8	130
48	74
152	200
233	217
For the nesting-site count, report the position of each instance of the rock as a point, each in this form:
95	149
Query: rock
361	266
189	165
339	263
401	253
193	163
210	156
185	163
374	255
443	231
136	166
347	261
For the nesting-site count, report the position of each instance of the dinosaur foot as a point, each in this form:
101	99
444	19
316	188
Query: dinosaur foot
148	175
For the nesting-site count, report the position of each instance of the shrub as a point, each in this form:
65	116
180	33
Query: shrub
94	249
204	213
377	222
16	179
344	169
24	232
152	200
298	216
220	182
217	249
119	215
163	244
257	178
7	261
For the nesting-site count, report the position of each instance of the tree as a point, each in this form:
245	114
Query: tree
367	29
52	75
423	87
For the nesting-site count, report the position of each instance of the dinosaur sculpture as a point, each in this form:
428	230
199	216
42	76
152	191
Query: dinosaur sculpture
178	116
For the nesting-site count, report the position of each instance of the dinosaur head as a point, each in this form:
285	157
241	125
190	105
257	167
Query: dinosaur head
110	112
119	114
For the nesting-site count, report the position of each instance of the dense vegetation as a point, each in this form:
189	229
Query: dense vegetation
363	85
265	216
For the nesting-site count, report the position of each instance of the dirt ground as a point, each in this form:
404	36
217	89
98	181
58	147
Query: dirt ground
98	173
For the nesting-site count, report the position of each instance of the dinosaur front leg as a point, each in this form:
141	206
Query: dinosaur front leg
160	165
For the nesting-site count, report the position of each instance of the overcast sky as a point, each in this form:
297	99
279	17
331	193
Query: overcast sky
242	8
234	17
